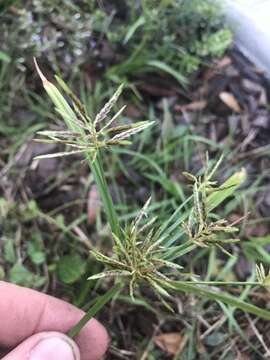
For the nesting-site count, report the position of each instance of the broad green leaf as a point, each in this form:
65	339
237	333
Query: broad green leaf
4	57
70	268
20	275
31	210
35	249
9	251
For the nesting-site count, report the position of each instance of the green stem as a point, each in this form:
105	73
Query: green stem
218	296
222	283
100	180
99	303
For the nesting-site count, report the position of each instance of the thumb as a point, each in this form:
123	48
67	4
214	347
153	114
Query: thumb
46	345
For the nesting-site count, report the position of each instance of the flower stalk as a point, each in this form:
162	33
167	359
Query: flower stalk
87	136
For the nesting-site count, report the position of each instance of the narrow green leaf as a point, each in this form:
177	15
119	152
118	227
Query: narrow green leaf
109	273
139	22
59	154
226	189
59	101
100	302
203	292
168	69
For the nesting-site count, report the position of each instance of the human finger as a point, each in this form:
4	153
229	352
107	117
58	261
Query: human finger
24	312
44	346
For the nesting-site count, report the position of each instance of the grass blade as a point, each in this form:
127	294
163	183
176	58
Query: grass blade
99	303
218	296
168	69
139	22
226	189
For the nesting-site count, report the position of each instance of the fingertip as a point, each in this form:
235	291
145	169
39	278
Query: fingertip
93	340
37	312
46	345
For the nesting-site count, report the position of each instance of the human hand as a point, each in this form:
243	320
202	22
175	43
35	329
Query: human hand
32	327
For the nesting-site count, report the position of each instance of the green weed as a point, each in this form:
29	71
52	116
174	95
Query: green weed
143	252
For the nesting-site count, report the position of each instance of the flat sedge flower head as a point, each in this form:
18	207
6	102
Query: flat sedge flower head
202	231
138	256
85	135
262	277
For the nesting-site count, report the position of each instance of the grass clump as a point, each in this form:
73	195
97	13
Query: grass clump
117	40
173	37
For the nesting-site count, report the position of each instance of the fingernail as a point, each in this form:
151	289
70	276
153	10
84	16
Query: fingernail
53	348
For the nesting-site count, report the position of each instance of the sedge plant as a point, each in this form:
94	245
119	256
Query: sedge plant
145	252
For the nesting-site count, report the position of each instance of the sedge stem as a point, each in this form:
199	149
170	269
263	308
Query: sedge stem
99	303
